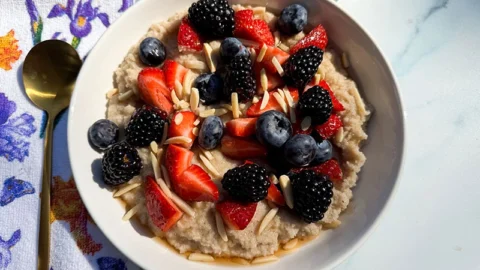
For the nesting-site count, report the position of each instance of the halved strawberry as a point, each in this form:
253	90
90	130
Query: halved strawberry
337	106
329	128
173	72
188	40
177	160
184	128
271	52
195	185
236	215
162	211
241	127
274	195
255	111
252	29
153	89
240	148
317	37
330	168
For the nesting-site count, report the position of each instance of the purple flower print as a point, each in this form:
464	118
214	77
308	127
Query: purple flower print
125	5
7	108
35	21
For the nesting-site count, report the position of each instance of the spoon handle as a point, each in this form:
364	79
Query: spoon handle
44	235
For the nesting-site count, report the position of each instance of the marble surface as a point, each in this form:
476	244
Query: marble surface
434	219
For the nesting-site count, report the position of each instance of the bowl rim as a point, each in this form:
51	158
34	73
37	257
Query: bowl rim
400	153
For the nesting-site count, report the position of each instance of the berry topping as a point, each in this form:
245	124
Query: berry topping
330	168
145	126
162	211
152	52
236	215
329	128
300	150
252	29
337	106
103	133
195	185
209	87
323	152
317	37
210	133
184	127
239	78
267	58
255	109
177	160
241	127
173	72
312	194
292	19
188	40
246	183
274	195
212	18
120	163
302	66
153	89
273	129
240	148
317	104
231	48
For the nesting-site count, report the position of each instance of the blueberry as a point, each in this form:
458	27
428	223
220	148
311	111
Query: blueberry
323	152
300	150
273	129
210	87
292	19
103	133
232	47
210	133
152	52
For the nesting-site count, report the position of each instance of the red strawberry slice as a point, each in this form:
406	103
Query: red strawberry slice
173	72
317	37
162	211
236	215
255	111
188	40
271	52
329	128
153	89
252	29
177	160
184	128
330	168
240	148
274	195
241	127
195	185
337	106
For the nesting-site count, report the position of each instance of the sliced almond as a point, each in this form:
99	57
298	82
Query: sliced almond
126	189
207	154
126	95
181	106
262	52
345	61
155	165
281	93
197	121
249	43
165	133
207	113
154	147
265	259
276	35
277	65
332	225
317	78
267	219
187	83
207	49
288	97
178	140
221	111
255	100
195	131
293	116
281	102
306	123
339	135
199	257
242	106
112	93
241	261
283	47
286	186
194	99
160	155
299	36
359	102
166	176
195	64
235	105
164	187
174	96
220	227
227	106
178	119
131	212
291	244
259	10
273	178
179	89
253	55
264	80
209	166
183	205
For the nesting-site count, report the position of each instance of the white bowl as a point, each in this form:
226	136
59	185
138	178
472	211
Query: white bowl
384	149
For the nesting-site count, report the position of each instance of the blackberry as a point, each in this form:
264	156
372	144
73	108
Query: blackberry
212	18
247	183
302	66
312	194
145	126
120	163
239	78
317	104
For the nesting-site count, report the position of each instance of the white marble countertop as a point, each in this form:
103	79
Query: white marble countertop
434	219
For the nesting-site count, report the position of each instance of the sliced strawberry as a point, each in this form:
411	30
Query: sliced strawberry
337	106
297	128
330	168
195	185
177	160
241	127
248	162
255	111
269	54
173	72
252	29
329	128
153	89
240	148
236	215
317	37
184	128
188	40
162	211
274	195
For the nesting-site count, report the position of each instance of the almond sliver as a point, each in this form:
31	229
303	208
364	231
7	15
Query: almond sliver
174	96
197	121
194	99
126	95
264	80
221	111
286	186
281	102
262	52
126	189
207	113
207	49
187	83
166	176
293	116
267	219
154	147
235	105
220	227
291	244
195	64
179	89
178	140
306	123
199	257
165	134
164	187
255	100
183	205
289	97
265	100
345	61
209	166
178	119
265	259
278	67
130	213
155	165
112	93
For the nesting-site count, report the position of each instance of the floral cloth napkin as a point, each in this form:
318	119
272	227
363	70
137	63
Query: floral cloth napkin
76	242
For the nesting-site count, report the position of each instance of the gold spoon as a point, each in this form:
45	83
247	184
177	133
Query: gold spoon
49	73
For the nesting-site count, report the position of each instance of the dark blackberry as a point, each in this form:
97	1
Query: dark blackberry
120	163
239	78
212	18
317	104
302	66
312	194
145	126
247	183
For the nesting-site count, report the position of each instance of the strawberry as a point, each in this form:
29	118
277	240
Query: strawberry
173	72
185	128
241	127
188	40
162	211
274	195
252	29
195	185
240	148
337	106
177	160
269	54
329	128
317	37
153	89
330	168
255	111
236	215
